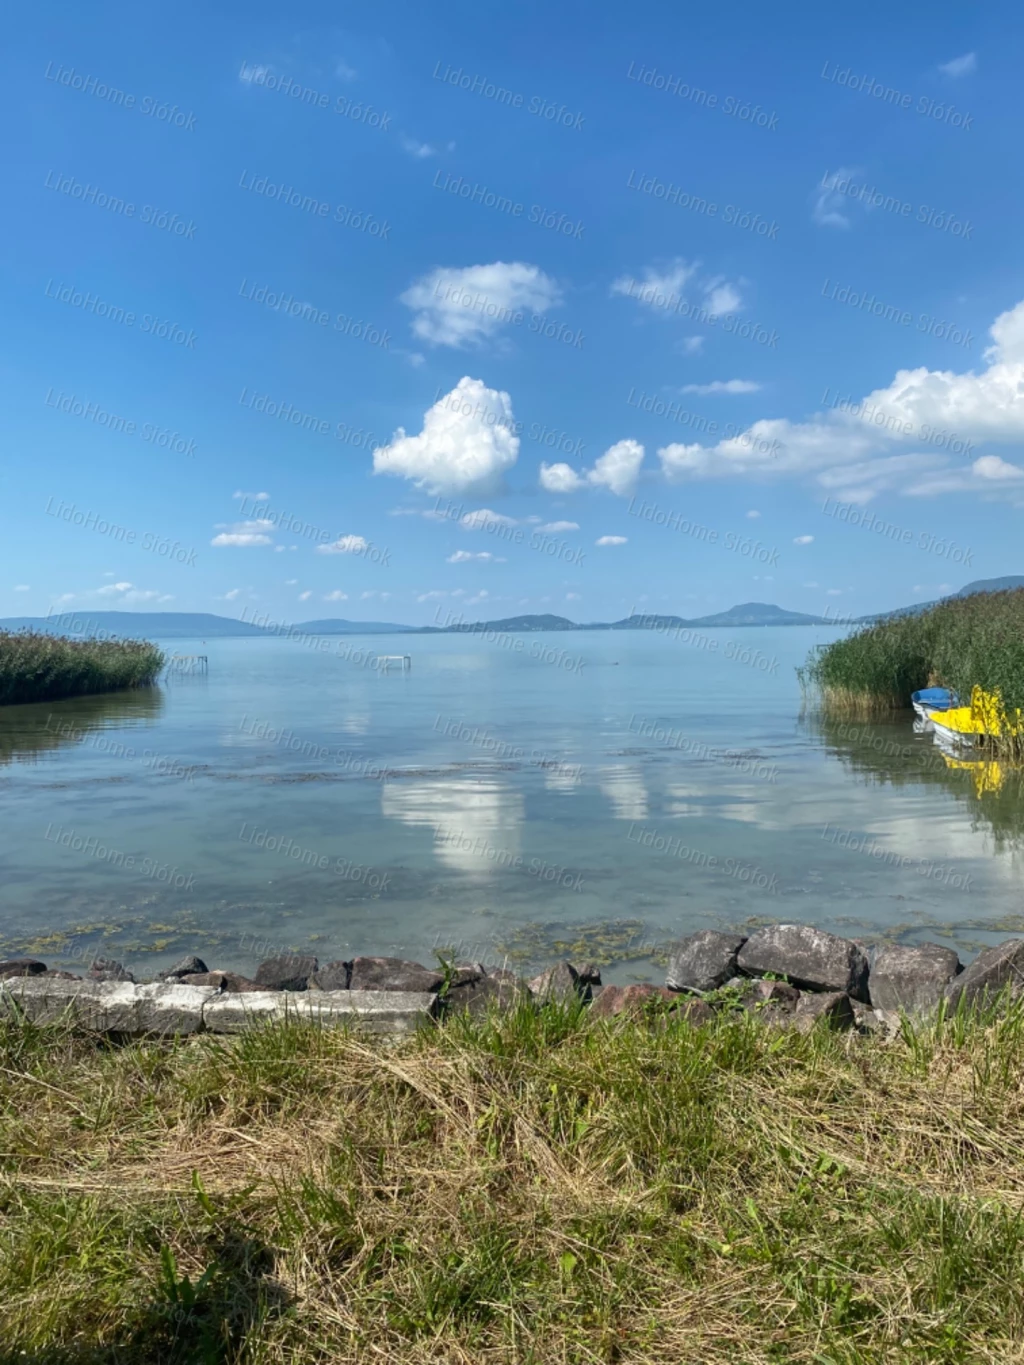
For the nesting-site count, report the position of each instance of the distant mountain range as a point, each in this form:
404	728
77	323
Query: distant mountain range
181	625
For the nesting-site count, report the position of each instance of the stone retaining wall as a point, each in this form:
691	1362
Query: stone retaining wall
789	974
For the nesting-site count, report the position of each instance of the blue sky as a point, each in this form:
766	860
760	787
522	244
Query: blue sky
475	310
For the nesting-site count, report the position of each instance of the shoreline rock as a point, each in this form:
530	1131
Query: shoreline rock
791	975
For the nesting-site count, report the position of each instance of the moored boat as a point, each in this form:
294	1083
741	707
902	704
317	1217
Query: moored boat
930	699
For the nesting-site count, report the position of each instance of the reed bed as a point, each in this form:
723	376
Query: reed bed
35	666
534	1189
965	643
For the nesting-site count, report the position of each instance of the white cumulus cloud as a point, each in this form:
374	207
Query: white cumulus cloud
552	526
468	442
915	436
464	307
336	596
610	540
802	540
464	556
617	470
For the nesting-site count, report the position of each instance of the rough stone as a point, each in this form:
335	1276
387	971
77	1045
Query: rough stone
611	1001
469	971
703	961
332	976
560	982
238	985
106	969
393	974
216	979
289	972
589	974
386	1012
912	979
992	971
810	958
770	997
484	993
882	1022
834	1007
21	966
58	975
188	966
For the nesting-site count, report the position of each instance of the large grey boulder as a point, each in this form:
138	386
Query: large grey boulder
393	974
912	979
384	1012
704	961
289	972
479	994
992	971
332	976
809	958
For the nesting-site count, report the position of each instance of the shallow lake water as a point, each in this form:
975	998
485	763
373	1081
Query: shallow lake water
594	794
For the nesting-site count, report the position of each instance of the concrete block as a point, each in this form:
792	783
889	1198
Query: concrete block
108	1006
375	1011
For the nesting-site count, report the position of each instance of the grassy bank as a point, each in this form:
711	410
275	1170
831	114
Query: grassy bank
39	667
543	1190
963	643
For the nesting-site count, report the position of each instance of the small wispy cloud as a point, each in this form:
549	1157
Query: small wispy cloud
724	386
829	203
802	540
420	150
244	534
960	66
610	540
345	545
253	73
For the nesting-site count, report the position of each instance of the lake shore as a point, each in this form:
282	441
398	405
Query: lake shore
533	1185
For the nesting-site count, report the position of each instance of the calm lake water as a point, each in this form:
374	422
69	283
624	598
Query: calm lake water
594	793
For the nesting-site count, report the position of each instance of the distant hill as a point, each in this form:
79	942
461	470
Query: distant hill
979	585
992	585
181	625
517	623
340	627
760	614
135	625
